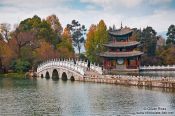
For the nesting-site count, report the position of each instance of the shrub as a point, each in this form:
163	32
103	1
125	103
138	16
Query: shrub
20	65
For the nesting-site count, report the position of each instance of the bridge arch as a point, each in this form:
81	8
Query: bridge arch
64	76
47	76
55	75
64	69
72	78
42	76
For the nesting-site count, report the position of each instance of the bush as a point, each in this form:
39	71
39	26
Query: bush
20	65
82	56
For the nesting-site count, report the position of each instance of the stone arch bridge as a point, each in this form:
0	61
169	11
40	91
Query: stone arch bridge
66	69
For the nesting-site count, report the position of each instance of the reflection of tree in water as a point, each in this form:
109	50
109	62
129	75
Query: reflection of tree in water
21	83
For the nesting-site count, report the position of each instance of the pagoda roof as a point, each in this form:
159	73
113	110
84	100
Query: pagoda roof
122	44
121	54
121	32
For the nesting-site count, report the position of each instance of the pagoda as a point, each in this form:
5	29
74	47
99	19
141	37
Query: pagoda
121	54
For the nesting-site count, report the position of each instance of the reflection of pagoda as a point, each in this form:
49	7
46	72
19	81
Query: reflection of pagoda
121	55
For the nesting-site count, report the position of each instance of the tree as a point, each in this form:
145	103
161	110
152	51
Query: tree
65	47
149	41
101	36
4	30
55	24
30	23
20	65
45	51
96	37
136	35
168	55
1	37
90	44
21	39
171	35
6	55
41	28
78	32
66	36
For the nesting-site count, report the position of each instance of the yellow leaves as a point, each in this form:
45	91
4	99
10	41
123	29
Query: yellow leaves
6	54
96	37
67	34
90	37
65	48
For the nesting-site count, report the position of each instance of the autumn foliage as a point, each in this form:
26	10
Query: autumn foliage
45	51
33	41
96	37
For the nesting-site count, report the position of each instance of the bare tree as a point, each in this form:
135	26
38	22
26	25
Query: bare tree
22	39
4	30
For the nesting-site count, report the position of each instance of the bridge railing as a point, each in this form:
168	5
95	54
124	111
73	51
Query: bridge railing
168	67
66	64
94	67
78	65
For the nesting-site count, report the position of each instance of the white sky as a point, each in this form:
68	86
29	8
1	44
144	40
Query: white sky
133	13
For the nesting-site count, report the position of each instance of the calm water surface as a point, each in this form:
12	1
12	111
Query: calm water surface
22	97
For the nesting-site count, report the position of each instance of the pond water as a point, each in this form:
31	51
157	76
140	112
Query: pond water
24	97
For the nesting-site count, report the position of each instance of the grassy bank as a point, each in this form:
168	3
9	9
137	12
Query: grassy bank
12	75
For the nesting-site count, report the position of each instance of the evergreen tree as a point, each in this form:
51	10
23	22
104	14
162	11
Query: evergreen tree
41	28
78	32
56	26
149	41
171	35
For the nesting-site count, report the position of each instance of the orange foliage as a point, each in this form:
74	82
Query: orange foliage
90	38
65	53
45	51
67	34
21	39
65	47
6	54
13	46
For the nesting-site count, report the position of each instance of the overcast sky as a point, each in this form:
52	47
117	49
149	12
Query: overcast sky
133	13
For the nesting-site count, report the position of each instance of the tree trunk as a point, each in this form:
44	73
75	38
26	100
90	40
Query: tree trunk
79	49
1	68
19	51
0	63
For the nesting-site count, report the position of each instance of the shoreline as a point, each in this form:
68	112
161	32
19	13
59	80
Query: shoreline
127	80
133	81
12	75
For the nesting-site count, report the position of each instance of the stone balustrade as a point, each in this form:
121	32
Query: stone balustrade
79	66
94	67
61	63
168	67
